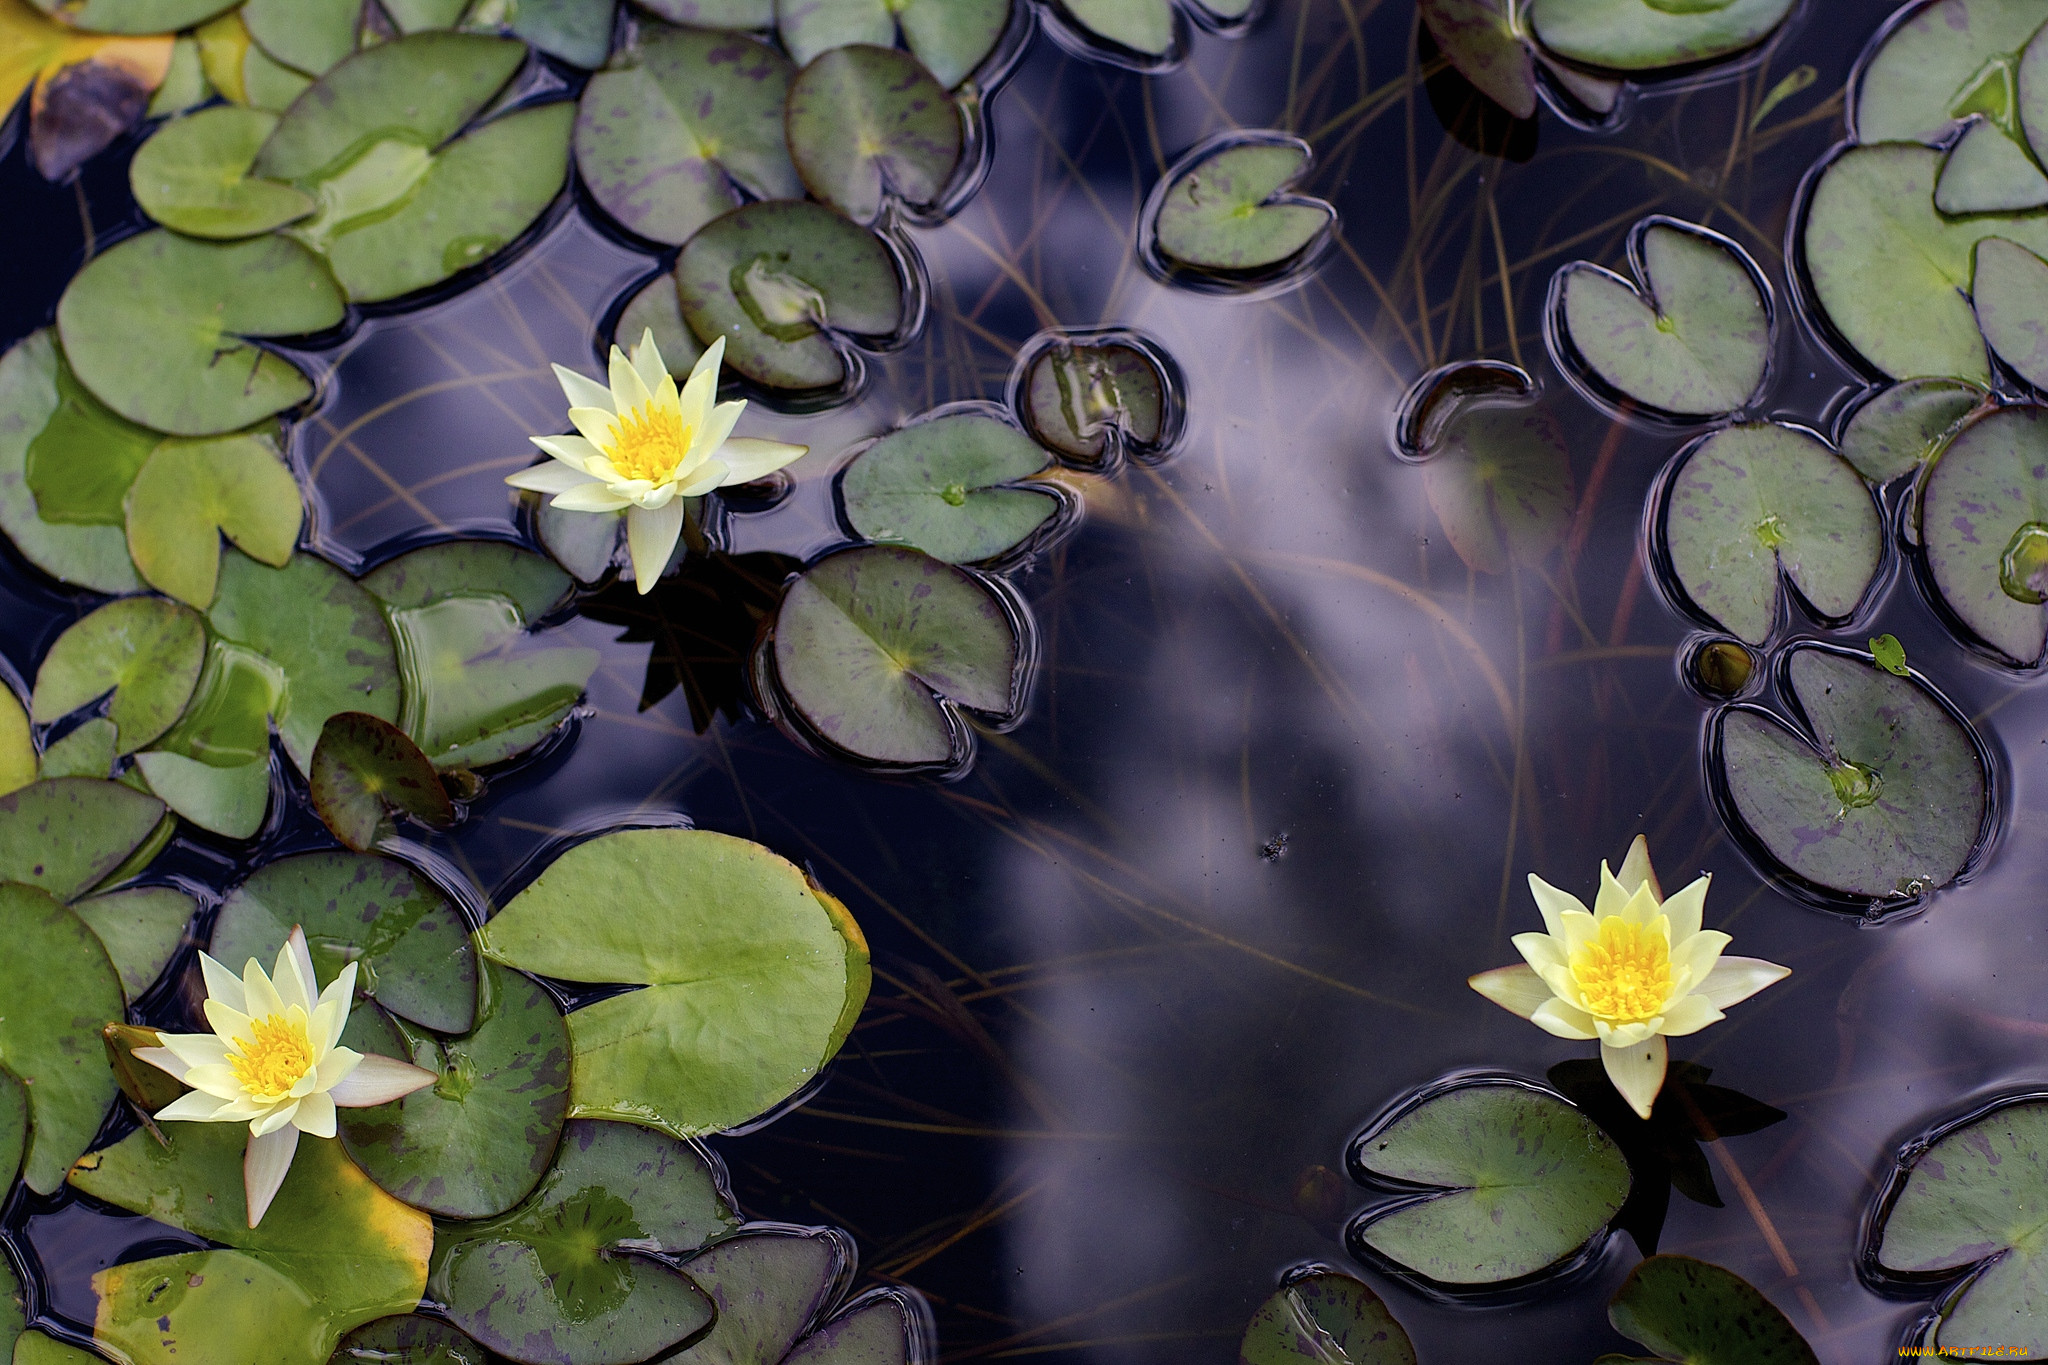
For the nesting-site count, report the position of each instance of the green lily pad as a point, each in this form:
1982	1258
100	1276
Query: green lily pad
1890	273
213	766
193	492
155	327
577	31
1226	207
414	16
786	284
185	86
584	543
309	35
1098	400
1970	1204
60	989
721	14
1650	35
242	71
867	123
132	16
1501	484
80	466
411	947
230	801
146	651
365	771
1526	1182
87	751
951	37
1751	504
193	176
422	577
1989	171
877	648
1439	399
1478	37
1898	429
1148	31
141	929
325	634
92	555
1324	1317
2010	290
65	835
687	119
1944	62
332	1253
477	1141
1700	1314
1885	800
656	309
1984	521
1692	340
566	1279
770	1288
37	1348
12	1304
949	485
409	1340
18	765
751	979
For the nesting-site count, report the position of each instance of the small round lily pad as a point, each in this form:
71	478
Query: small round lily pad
867	122
951	37
1984	522
36	389
1142	34
144	650
770	1288
1096	398
193	175
1225	207
950	485
367	770
1321	1316
1651	35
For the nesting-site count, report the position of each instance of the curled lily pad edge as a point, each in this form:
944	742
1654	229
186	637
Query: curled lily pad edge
1076	39
1432	405
1173	390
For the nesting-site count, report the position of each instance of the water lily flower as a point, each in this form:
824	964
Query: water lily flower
645	447
1633	971
274	1061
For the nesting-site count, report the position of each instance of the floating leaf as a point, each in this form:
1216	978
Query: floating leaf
80	465
65	835
333	1252
584	543
213	767
769	1288
154	327
412	16
132	16
409	1340
146	651
2010	289
1440	398
655	309
193	492
1501	484
1984	521
951	37
1324	1317
876	648
242	71
365	771
89	92
645	130
1096	402
1751	503
1889	655
476	1142
783	283
36	1348
1989	171
12	1305
35	48
726	14
193	175
577	31
1797	79
1687	1310
422	577
1527	1181
37	394
1898	429
566	1279
185	86
87	751
140	930
1970	1204
1944	61
1147	30
1693	340
948	486
749	975
1885	800
1650	35
1226	206
1479	39
868	122
18	764
227	800
60	988
410	945
311	35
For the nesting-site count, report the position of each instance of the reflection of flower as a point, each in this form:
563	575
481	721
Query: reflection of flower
645	447
273	1061
1635	970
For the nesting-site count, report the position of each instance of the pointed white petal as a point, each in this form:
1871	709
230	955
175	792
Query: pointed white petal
574	451
342	990
380	1080
697	401
1636	870
1554	904
1613	895
1695	957
229	1023
1516	989
315	1116
223	985
1564	1020
1641	908
163	1059
629	391
1576	928
583	392
707	476
598	425
1685	908
718	424
193	1049
279	1116
197	1107
591	497
1539	950
709	362
264	1000
1690	1015
1735	979
553	477
651	536
264	1166
336	1065
218	1081
647	361
1637	1072
302	958
747	459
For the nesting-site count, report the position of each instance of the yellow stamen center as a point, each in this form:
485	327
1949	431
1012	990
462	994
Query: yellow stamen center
1625	973
651	445
275	1060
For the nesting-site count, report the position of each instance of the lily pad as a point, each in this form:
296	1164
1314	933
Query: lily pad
1944	62
1700	1314
452	568
751	977
1324	1317
185	86
365	771
584	543
38	1348
577	31
1898	429
230	801
141	929
193	176
213	767
414	16
787	284
91	555
238	67
409	1340
950	486
1984	521
1885	800
2010	289
18	764
80	465
1501	484
333	1252
868	122
951	37
1651	35
132	16
309	35
193	492
1478	37
60	990
88	750
1693	339
645	131
1225	207
1970	1205
567	1278
877	648
1750	504
1989	171
410	945
770	1288
1097	400
1525	1182
723	14
1143	34
155	327
144	650
477	1141
65	835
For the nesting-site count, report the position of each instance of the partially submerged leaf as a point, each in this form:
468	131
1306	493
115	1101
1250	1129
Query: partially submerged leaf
1227	208
365	771
81	464
193	175
146	651
213	766
65	835
87	750
950	486
1097	402
35	388
1147	30
1984	522
411	1339
1651	35
1322	1318
90	94
1989	171
1478	38
190	493
1501	484
1687	1310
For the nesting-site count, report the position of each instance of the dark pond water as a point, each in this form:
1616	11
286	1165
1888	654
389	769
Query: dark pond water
1184	931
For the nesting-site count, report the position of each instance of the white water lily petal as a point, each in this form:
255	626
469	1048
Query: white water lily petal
273	1119
1540	951
1637	1072
218	1081
264	1166
598	426
1685	907
1626	1035
1640	908
315	1116
298	957
711	361
718	425
341	994
197	1107
380	1080
747	459
223	985
336	1065
574	451
192	1049
591	497
163	1059
1690	1015
697	401
1636	870
1559	978
647	362
714	474
1553	904
629	391
651	536
1735	979
1515	989
1578	929
262	994
1697	955
1564	1020
581	390
226	1021
1613	895
556	476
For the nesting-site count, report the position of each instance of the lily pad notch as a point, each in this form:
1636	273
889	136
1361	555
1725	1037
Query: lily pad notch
1227	219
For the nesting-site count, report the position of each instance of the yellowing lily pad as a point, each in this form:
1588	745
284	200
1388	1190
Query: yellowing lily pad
1984	522
37	394
1224	207
238	67
867	122
193	175
1650	35
144	650
17	745
1322	1315
951	37
190	493
950	485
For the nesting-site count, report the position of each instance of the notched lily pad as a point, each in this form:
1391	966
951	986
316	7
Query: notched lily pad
1500	480
190	493
1322	1316
213	766
1144	35
141	928
867	122
1652	35
144	650
1879	800
951	485
1984	522
193	176
1901	428
1686	1310
42	405
1224	209
1944	62
1478	37
770	1288
2009	288
1989	171
1097	398
951	37
365	772
412	1339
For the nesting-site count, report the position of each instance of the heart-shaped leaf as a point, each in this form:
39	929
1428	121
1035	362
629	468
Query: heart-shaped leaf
309	35
80	466
723	14
951	37
868	122
1989	171
1225	206
1751	504
141	929
2010	289
60	989
36	389
88	750
752	978
1898	429
1700	1314
1478	37
64	836
146	651
155	327
365	771
644	131
1650	35
949	485
193	176
1096	400
770	1288
191	493
566	1279
1883	802
1323	1317
1984	521
132	16
1525	1182
1692	340
1939	64
475	1143
876	649
787	284
411	947
1501	484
